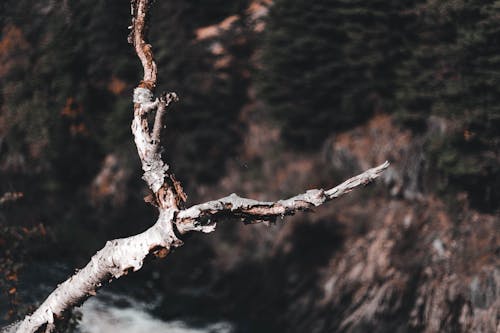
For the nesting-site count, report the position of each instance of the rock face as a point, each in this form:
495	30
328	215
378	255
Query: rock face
415	269
421	265
392	258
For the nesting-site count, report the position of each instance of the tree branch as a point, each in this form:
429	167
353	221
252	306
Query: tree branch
203	217
165	101
137	37
120	256
115	259
166	190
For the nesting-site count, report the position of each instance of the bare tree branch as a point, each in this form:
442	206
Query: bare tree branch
166	190
165	101
120	256
204	216
137	37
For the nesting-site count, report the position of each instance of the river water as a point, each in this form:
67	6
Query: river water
110	310
101	315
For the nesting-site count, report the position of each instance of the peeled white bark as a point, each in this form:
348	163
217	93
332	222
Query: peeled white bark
121	256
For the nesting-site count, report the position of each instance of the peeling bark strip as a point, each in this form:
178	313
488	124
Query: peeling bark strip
120	256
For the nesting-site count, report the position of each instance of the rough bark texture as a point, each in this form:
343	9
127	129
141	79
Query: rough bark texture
121	256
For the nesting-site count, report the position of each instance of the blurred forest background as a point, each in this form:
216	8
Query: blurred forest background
277	96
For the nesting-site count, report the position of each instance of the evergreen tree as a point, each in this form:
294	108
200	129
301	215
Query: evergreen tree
453	73
327	65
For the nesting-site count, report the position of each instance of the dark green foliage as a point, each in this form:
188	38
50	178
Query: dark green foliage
454	73
56	110
327	65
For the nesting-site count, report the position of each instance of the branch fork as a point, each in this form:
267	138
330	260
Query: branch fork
121	256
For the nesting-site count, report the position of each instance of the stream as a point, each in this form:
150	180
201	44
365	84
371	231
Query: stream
111	310
101	314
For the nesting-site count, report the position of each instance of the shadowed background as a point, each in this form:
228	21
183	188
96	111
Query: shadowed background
275	97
